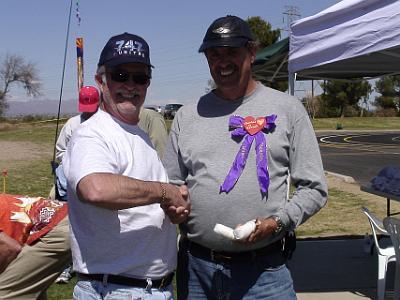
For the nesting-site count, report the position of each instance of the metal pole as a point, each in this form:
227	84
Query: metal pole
53	162
291	83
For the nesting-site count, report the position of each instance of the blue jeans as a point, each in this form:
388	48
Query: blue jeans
96	290
266	277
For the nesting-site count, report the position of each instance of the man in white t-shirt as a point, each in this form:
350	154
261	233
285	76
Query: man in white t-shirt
88	103
121	209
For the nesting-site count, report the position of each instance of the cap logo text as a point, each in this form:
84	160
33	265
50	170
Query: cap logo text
129	47
221	30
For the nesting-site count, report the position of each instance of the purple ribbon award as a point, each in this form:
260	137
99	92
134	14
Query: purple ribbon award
251	129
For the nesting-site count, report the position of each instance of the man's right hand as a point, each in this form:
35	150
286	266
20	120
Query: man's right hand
9	249
176	203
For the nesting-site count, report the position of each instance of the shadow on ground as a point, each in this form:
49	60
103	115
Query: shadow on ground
336	265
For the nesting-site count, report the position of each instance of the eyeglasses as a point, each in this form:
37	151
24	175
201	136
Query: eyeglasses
122	76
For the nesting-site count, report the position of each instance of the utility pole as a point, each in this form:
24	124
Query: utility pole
290	14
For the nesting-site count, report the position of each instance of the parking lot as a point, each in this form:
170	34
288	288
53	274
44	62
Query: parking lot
360	155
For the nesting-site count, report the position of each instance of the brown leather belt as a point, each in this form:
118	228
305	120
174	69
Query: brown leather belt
228	257
128	281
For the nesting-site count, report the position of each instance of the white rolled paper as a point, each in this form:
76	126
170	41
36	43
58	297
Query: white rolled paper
224	231
240	233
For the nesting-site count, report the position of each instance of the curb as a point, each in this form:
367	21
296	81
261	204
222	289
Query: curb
345	178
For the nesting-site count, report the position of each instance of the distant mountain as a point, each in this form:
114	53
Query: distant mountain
41	107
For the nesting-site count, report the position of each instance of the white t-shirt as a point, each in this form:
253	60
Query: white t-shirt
65	135
137	242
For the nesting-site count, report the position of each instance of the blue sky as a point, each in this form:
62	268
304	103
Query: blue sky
174	30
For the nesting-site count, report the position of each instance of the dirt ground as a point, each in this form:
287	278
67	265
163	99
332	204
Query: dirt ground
21	151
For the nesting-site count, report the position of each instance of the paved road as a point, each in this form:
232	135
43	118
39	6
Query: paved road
360	155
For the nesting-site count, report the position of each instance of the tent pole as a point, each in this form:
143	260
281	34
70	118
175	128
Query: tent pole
312	88
280	67
291	83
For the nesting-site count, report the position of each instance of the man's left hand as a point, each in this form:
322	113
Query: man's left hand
264	228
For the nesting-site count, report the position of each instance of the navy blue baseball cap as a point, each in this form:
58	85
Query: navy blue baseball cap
229	31
123	49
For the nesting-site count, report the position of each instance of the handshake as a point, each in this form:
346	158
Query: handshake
175	202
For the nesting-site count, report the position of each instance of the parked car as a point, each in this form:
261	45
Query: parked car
152	107
156	108
170	110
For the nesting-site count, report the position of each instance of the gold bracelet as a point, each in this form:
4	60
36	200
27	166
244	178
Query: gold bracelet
163	193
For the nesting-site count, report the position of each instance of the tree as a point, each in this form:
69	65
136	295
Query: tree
338	95
389	88
313	105
14	70
263	33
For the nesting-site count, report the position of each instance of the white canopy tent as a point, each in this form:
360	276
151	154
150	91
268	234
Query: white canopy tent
351	39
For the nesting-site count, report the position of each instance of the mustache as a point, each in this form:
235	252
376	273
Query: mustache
134	93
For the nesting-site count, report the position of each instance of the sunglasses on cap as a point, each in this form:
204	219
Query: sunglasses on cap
122	76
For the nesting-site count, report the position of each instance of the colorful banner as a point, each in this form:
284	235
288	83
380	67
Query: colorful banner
79	61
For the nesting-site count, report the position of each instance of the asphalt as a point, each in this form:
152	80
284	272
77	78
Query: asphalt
336	269
359	154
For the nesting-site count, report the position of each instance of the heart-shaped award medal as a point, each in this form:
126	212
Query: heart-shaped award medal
251	129
252	125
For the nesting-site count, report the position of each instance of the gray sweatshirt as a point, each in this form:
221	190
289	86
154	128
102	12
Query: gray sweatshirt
201	151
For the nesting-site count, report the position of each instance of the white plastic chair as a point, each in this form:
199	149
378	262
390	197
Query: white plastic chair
392	226
385	255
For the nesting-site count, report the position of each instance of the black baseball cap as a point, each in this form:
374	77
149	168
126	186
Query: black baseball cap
125	48
229	31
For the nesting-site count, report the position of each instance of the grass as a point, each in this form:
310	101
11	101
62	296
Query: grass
32	176
342	215
61	291
392	123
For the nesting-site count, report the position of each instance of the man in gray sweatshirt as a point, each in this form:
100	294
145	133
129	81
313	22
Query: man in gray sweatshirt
234	149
